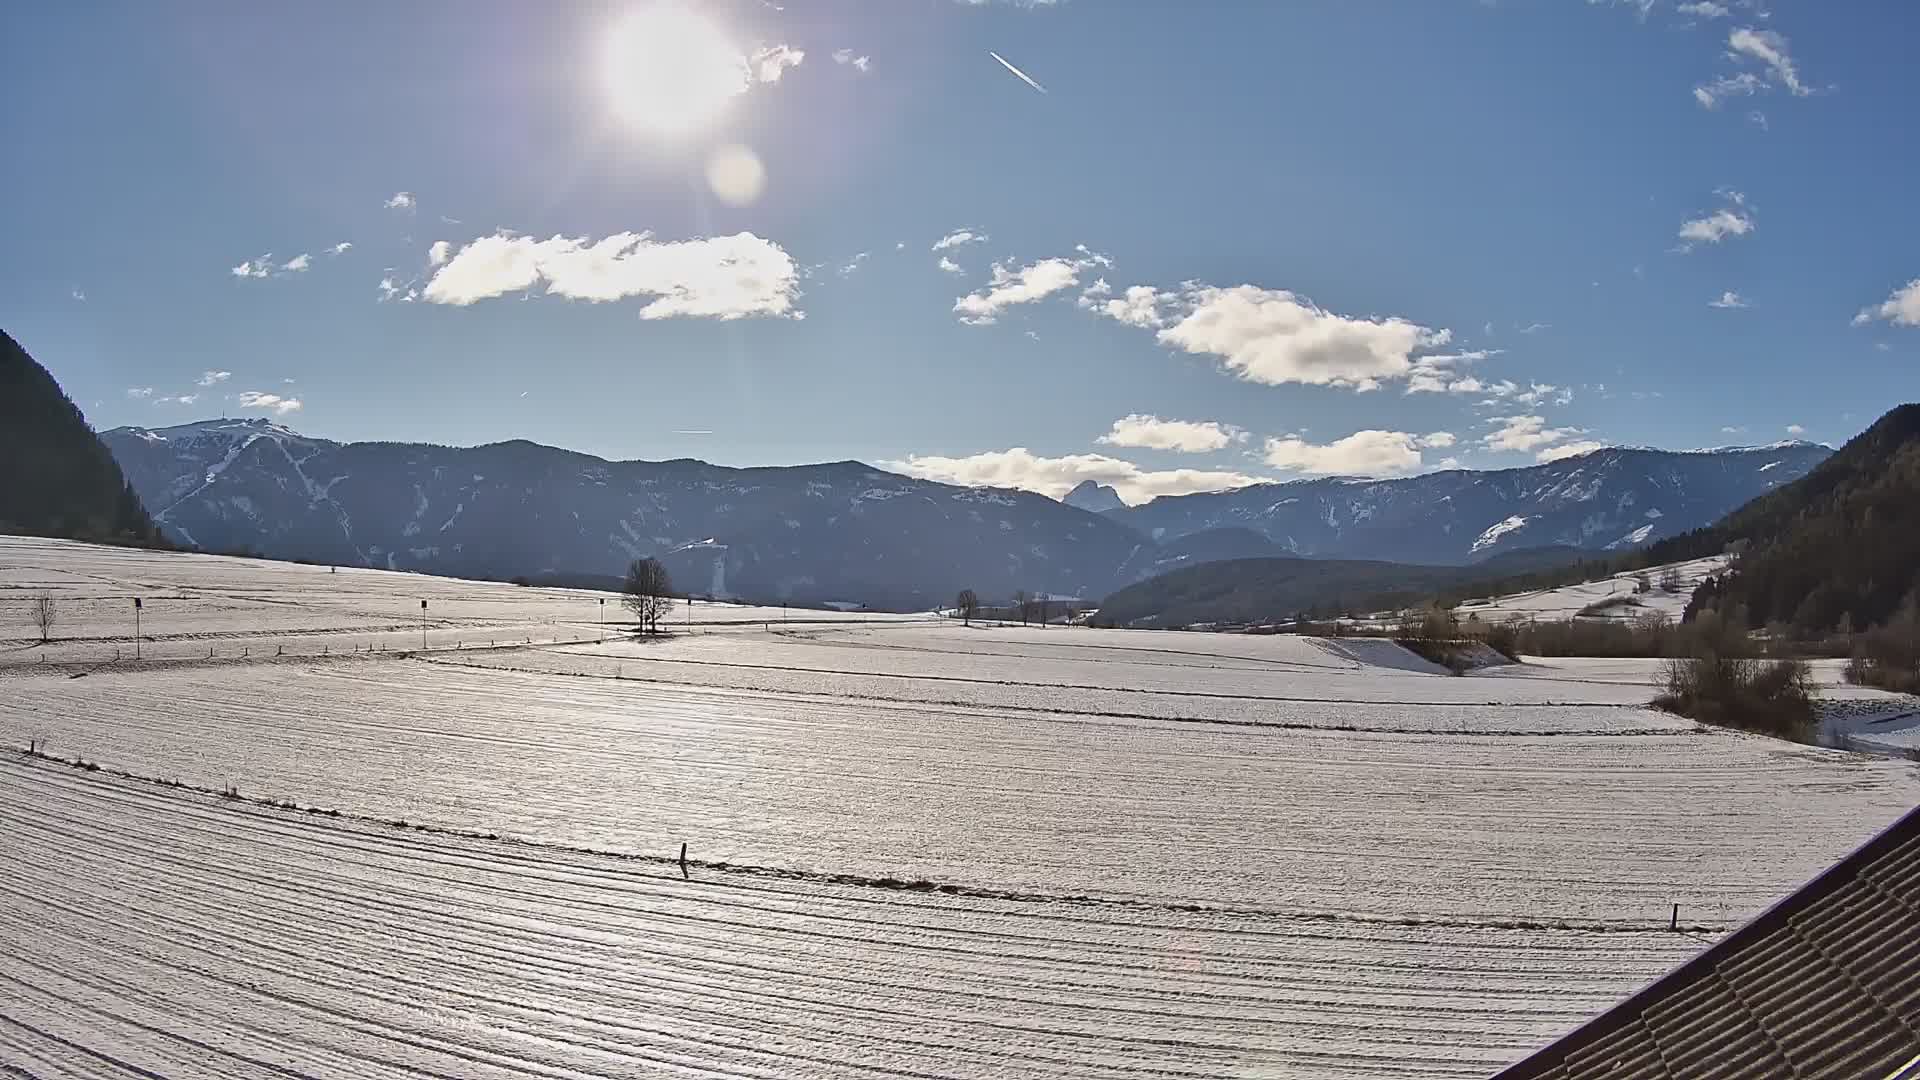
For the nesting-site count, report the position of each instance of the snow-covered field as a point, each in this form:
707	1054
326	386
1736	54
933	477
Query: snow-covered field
202	606
1143	854
1620	592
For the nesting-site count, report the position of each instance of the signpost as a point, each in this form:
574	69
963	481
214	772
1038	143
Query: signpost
136	628
423	626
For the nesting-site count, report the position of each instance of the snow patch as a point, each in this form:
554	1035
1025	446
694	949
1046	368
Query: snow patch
1495	532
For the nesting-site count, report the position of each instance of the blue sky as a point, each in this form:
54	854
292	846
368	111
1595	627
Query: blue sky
1232	240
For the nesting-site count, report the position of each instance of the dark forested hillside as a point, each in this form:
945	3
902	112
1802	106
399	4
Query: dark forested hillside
1260	590
56	477
1837	549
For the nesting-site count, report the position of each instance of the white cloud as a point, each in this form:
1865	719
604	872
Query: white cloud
1739	85
139	391
1796	429
1187	436
853	264
1729	220
1534	328
1640	7
721	277
1523	433
1567	450
212	378
178	399
1537	393
1730	299
1020	468
402	200
437	254
1758	119
1770	49
1764	47
1138	307
959	237
1363	453
77	295
392	290
950	266
846	56
265	266
254	399
1092	256
342	247
1273	337
1036	281
1436	374
1900	309
773	61
1705	9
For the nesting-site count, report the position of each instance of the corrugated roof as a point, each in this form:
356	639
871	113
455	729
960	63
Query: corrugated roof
1826	983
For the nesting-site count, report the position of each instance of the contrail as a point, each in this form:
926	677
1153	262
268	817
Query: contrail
1023	76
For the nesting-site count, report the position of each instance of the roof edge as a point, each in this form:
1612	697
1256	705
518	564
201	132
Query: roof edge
1823	884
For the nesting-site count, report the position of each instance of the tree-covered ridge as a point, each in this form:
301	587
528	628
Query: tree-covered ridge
56	477
1838	549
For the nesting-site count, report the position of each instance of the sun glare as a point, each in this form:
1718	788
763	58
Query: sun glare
671	70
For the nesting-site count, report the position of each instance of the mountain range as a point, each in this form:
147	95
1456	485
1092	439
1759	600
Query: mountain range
846	531
1612	499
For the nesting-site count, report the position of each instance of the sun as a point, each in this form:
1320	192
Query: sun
671	70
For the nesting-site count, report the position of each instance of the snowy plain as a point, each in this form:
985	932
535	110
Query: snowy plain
948	851
1622	593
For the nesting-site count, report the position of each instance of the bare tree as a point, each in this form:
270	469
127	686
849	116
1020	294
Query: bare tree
45	617
648	593
1670	580
967	604
1020	601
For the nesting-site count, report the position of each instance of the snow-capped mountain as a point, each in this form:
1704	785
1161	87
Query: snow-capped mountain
1610	499
849	532
812	533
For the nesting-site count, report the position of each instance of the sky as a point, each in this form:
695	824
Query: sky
1168	247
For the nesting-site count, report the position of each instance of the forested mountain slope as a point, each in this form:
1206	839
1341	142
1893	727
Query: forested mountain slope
56	476
1837	549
